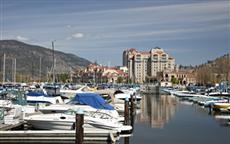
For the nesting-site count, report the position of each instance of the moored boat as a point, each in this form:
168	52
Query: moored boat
66	121
85	101
221	106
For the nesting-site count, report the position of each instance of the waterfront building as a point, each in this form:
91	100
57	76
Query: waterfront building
95	73
146	65
182	76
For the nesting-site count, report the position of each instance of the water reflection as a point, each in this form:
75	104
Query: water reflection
157	109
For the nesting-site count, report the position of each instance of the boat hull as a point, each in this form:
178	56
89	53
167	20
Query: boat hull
221	105
54	125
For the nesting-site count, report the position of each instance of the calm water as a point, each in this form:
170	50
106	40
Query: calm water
166	120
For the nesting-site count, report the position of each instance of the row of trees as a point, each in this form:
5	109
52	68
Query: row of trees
20	77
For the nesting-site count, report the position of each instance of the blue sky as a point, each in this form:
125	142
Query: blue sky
192	31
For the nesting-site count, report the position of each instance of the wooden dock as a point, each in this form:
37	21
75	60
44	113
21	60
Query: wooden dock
5	127
57	136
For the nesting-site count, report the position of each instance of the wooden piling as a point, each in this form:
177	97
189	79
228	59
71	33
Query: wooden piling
126	140
126	113
210	109
132	112
79	131
131	105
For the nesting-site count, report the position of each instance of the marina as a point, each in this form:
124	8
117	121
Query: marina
114	72
156	113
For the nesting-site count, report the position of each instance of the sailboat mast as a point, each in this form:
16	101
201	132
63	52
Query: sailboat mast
4	63
40	70
12	71
53	62
15	70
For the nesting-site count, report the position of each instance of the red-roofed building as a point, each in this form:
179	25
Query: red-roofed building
101	74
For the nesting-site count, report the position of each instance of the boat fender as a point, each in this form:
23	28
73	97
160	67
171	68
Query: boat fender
73	126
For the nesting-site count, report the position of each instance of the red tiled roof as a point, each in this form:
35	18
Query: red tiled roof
132	49
144	53
120	72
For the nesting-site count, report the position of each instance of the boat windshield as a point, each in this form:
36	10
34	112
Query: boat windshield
70	112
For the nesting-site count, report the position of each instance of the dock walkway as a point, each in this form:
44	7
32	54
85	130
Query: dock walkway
57	136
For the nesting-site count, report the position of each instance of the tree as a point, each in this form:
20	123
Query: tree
174	80
63	77
120	79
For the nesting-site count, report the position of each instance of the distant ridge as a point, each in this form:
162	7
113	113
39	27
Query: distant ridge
28	59
214	71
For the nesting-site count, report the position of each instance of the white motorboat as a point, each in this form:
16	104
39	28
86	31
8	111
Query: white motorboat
42	97
218	93
70	93
123	94
89	102
66	121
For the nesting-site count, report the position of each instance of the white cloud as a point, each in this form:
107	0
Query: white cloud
78	35
21	38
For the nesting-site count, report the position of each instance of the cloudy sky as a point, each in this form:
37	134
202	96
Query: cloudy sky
192	31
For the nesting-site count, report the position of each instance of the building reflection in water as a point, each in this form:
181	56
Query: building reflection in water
157	109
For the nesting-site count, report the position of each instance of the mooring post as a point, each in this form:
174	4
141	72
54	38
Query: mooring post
126	114
126	140
79	131
210	109
132	112
36	107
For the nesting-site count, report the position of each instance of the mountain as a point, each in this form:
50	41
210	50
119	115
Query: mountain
28	59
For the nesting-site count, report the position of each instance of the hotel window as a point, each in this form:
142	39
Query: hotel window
155	57
164	58
138	58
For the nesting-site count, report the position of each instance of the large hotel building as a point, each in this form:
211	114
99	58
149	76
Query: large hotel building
147	64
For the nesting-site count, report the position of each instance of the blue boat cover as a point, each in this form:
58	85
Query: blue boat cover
92	99
35	94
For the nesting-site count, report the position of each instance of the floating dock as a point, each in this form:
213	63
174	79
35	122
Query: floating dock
57	136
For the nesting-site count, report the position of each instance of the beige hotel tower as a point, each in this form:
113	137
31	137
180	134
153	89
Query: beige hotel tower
147	64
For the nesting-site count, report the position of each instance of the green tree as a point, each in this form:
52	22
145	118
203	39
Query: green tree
63	77
174	80
120	79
